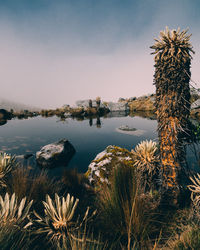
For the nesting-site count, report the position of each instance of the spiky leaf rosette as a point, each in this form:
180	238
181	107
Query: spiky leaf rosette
144	156
13	212
58	215
59	223
195	189
145	159
172	75
6	165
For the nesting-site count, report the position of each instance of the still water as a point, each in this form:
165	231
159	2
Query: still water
89	137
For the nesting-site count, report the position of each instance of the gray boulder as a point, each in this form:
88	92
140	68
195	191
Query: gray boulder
196	104
118	106
55	154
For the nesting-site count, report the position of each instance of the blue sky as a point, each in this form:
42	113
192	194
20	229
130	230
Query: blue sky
56	52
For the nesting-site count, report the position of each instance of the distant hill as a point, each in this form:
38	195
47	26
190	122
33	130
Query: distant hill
6	104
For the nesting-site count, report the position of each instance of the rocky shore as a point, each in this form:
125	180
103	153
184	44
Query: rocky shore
144	106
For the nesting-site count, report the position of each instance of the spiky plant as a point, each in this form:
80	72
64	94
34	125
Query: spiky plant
145	158
144	155
195	189
12	212
58	223
58	215
172	75
6	164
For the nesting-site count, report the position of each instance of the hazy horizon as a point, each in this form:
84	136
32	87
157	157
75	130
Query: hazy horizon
58	52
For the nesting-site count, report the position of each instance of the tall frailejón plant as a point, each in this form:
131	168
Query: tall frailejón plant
172	75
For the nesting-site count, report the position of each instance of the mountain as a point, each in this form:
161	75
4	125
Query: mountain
8	105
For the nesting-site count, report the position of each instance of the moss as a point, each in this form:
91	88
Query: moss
99	174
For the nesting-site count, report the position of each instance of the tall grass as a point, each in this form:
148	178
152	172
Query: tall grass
24	182
13	237
125	212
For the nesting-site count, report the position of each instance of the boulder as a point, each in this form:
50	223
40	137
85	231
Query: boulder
118	106
101	168
55	154
196	104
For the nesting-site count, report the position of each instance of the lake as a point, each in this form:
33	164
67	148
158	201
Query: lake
89	137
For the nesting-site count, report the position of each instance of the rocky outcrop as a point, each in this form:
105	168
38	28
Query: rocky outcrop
118	106
145	103
55	154
85	104
101	168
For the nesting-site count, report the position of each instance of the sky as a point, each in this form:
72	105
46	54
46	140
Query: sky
57	52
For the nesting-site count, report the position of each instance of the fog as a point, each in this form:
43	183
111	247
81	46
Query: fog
60	53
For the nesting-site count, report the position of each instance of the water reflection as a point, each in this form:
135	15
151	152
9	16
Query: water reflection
90	121
98	123
3	122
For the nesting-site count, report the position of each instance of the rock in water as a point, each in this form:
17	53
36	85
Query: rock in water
55	154
126	128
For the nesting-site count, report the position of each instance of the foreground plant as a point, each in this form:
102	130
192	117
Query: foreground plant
12	212
125	211
189	238
172	75
58	223
6	165
195	189
145	158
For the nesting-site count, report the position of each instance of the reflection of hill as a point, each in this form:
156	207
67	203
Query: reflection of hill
8	105
144	114
116	114
2	122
